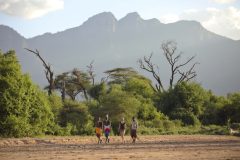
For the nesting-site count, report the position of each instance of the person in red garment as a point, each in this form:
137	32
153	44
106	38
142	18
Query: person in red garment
99	127
107	128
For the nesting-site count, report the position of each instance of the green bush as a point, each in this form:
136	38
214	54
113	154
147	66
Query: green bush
94	107
214	130
187	117
75	115
97	90
184	102
56	104
142	130
212	110
168	125
117	104
24	108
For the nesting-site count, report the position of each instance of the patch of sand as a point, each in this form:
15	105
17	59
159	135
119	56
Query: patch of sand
163	147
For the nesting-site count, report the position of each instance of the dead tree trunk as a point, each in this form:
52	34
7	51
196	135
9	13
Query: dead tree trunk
146	64
91	72
48	71
169	50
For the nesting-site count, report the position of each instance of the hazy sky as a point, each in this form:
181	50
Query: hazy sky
34	17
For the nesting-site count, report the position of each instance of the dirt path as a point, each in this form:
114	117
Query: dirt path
149	147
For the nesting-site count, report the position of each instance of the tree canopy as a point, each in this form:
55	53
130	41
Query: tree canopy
24	108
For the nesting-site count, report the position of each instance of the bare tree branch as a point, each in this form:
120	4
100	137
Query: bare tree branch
48	71
147	65
190	59
91	72
169	51
186	76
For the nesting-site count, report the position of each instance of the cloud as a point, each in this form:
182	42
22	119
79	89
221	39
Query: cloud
223	1
224	22
30	9
169	18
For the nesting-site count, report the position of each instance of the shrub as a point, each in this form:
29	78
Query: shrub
75	115
214	129
187	117
24	107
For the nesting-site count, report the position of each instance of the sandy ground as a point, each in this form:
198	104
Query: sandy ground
165	147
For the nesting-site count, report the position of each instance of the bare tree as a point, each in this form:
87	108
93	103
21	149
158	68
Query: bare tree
91	72
147	65
48	70
169	50
173	58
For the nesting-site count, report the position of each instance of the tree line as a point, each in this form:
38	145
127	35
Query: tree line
182	107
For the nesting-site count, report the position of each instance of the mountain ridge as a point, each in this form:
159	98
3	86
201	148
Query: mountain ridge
109	14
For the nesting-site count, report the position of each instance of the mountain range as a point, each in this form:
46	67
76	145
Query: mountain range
112	43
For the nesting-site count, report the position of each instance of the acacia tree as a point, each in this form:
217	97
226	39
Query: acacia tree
173	58
81	79
121	75
72	83
48	71
60	84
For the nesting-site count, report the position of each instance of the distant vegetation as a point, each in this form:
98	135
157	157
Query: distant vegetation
184	108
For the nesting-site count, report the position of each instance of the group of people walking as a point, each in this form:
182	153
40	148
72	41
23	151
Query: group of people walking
105	127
